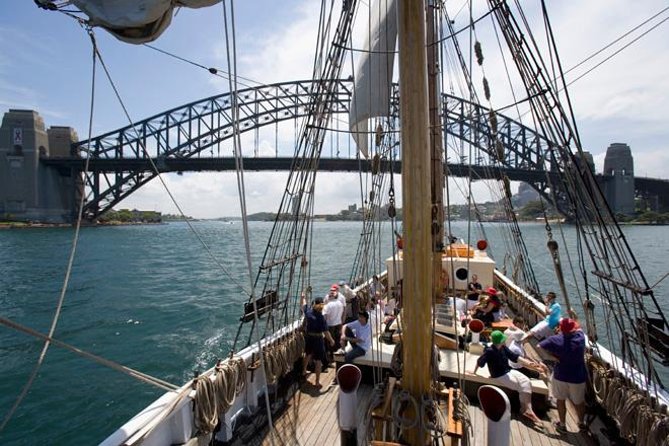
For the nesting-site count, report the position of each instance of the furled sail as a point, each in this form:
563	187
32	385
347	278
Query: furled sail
373	77
135	21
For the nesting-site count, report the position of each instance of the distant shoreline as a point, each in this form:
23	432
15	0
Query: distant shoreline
34	225
28	225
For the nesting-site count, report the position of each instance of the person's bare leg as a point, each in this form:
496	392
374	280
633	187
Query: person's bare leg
307	358
526	407
562	411
318	365
580	412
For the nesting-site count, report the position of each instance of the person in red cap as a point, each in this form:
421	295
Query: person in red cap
485	312
335	294
570	374
334	316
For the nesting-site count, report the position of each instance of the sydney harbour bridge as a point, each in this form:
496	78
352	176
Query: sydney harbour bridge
188	138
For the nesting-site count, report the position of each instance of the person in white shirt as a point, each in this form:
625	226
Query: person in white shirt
351	312
376	314
359	334
514	336
334	315
334	291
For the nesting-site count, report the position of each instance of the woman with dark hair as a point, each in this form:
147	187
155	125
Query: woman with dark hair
485	312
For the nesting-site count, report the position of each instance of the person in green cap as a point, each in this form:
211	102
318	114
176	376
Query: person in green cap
497	358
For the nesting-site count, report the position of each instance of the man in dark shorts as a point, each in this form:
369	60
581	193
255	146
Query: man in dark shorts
315	334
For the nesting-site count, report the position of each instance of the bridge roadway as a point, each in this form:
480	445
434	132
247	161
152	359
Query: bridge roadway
652	186
280	164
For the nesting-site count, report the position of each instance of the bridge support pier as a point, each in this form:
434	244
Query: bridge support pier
29	190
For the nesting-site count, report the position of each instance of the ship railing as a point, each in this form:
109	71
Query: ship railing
534	310
178	426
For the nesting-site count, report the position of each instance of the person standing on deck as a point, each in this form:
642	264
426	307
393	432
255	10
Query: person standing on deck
351	305
359	334
570	374
474	290
333	311
497	358
334	292
376	314
547	326
316	332
376	288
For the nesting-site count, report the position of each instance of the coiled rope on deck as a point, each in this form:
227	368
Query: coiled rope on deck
631	405
205	407
599	381
659	432
214	397
271	365
638	421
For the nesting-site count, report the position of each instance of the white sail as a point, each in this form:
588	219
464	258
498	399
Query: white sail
373	76
135	21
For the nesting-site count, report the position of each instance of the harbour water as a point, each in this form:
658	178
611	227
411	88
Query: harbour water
151	298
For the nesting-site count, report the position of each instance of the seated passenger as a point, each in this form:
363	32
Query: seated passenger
359	334
514	336
474	290
485	311
546	327
497	358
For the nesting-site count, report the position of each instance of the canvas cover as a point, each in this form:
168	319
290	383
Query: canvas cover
135	21
373	76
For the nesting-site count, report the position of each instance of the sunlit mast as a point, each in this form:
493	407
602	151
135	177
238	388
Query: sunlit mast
416	192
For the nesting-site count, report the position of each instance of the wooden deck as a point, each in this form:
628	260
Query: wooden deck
381	354
309	419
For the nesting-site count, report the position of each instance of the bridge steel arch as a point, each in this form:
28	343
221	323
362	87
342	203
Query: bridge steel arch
181	135
508	145
186	132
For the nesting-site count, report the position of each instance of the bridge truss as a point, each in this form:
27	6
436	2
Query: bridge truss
189	138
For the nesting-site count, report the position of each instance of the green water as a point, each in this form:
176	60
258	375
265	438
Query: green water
151	298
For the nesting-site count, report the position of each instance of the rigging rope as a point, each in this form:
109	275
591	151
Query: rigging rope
239	161
73	250
100	360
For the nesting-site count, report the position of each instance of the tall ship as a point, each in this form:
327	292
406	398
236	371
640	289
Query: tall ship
404	86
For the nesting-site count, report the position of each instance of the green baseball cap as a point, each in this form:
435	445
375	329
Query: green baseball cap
497	337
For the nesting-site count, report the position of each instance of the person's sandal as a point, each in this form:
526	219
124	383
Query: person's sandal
560	427
532	417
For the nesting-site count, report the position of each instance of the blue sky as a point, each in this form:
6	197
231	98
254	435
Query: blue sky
45	64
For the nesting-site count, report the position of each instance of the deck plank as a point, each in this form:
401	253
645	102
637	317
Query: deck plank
310	420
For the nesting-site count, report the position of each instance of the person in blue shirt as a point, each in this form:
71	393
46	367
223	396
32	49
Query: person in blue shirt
546	327
497	358
359	334
315	334
570	373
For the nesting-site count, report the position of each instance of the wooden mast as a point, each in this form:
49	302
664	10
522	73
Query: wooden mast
436	150
416	181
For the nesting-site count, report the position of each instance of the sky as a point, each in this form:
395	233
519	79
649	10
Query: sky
45	65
